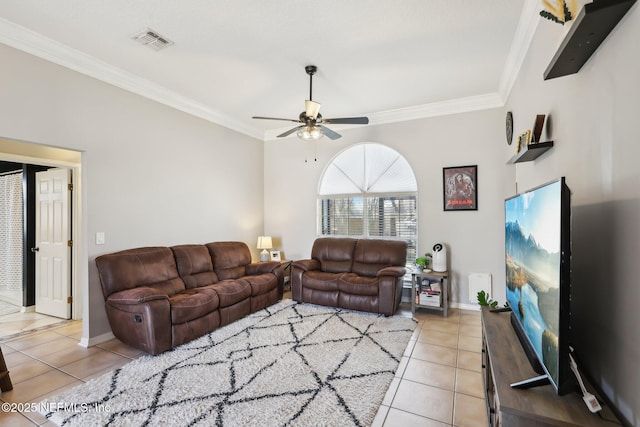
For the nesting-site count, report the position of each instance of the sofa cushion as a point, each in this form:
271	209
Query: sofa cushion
149	266
371	255
191	304
194	265
321	281
231	292
229	259
335	254
354	284
262	283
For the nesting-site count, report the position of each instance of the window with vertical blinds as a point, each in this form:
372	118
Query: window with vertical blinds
369	191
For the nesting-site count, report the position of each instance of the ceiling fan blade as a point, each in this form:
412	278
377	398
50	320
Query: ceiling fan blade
289	132
348	121
311	108
329	133
275	118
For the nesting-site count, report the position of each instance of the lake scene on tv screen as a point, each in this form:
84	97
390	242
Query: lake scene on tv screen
532	246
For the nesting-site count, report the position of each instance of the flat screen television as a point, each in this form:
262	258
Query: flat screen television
538	279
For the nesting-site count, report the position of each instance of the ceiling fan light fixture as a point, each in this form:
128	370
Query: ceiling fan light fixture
310	132
312	122
311	108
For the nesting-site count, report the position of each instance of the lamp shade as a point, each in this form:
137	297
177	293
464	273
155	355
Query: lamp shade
264	242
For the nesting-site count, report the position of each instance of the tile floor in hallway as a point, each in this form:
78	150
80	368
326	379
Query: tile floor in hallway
438	382
15	324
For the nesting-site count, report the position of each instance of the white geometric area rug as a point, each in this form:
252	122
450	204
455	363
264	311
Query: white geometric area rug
290	364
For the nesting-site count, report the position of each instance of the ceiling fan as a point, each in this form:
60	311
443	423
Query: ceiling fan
312	126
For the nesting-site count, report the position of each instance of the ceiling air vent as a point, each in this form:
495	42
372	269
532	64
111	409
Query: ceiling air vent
152	39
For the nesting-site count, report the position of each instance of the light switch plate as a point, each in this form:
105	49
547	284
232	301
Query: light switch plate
100	238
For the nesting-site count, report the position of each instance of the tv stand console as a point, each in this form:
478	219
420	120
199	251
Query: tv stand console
503	363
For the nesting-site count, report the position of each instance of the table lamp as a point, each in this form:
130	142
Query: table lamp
264	243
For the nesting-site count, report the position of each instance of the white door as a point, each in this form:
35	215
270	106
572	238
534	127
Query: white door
53	244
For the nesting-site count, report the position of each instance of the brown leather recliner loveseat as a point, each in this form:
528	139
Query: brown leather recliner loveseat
157	298
356	274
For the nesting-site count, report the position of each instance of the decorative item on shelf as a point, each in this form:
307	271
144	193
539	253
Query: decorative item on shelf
264	243
560	11
460	188
275	255
523	140
529	146
537	128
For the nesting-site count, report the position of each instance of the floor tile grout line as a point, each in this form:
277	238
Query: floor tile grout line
59	368
23	334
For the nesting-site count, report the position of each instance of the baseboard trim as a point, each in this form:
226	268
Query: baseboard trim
84	342
29	309
461	306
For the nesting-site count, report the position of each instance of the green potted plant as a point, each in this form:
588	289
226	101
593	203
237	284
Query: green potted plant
423	262
484	300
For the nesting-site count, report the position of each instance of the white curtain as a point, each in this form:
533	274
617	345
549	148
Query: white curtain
11	219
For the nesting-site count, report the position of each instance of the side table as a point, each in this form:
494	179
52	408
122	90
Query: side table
286	268
435	276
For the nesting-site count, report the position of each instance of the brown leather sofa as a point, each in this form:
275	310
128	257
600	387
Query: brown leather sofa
157	298
356	274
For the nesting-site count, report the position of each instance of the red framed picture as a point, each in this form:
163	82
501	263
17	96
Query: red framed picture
460	188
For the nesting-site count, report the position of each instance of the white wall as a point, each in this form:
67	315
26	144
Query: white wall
151	175
475	239
594	124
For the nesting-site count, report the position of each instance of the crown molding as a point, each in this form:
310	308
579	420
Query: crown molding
529	20
444	108
35	44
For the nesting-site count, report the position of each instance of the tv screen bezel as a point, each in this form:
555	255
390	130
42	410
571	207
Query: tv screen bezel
564	382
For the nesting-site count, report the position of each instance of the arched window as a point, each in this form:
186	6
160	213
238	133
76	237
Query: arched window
369	191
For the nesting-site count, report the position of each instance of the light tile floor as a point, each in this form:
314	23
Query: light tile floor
438	382
14	324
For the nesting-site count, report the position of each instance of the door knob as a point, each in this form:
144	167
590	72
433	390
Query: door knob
34	250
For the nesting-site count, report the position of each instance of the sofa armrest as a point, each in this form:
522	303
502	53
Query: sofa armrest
392	271
141	318
138	295
306	264
262	267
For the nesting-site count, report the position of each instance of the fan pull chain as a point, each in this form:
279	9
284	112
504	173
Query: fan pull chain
315	152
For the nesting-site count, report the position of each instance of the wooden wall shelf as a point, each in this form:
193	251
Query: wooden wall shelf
589	29
531	152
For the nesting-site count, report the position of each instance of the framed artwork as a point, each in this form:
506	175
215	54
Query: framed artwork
460	188
523	140
275	255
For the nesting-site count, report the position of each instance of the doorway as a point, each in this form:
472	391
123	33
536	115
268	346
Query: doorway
32	159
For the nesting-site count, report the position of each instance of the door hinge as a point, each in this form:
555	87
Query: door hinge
70	186
69	300
70	243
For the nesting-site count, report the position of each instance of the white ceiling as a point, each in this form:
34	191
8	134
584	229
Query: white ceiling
233	59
